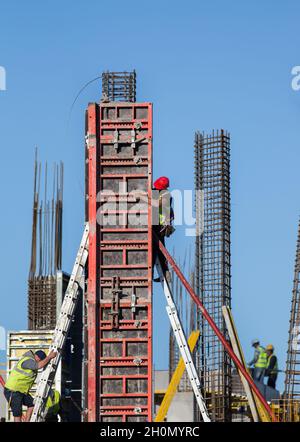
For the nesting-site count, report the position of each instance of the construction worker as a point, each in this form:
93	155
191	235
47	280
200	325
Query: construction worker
164	228
272	366
259	361
20	381
54	407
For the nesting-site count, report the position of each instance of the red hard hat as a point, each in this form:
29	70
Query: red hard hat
161	183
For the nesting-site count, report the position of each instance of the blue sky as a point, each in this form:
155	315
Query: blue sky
204	65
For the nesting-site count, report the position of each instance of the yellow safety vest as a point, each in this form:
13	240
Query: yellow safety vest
21	379
162	217
53	403
262	360
275	368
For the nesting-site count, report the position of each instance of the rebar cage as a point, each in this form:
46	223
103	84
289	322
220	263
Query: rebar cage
119	86
292	377
212	266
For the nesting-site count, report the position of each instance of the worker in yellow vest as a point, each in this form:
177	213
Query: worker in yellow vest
54	407
20	381
259	361
272	366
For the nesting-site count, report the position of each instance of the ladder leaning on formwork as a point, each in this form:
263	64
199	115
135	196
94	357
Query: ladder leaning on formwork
182	344
62	328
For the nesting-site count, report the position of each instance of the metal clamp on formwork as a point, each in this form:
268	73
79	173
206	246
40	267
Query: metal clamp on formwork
115	303
138	361
116	140
132	140
133	303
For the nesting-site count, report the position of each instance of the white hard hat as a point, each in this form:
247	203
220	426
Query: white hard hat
254	341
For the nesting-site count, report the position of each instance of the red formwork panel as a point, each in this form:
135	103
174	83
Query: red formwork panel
119	293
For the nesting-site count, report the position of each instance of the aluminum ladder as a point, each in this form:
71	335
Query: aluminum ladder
62	328
182	344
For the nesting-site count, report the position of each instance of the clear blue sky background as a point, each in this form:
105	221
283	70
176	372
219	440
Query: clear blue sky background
204	65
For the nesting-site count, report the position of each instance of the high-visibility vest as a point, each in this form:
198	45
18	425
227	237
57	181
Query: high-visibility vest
162	217
53	403
275	368
21	379
262	360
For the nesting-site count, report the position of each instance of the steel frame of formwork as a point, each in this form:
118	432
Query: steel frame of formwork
212	266
119	287
292	377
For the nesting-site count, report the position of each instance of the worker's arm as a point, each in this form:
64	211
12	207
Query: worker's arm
48	358
254	360
32	364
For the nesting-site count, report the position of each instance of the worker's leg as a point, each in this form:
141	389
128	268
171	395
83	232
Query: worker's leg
271	382
261	375
28	414
14	399
154	247
258	374
162	259
156	253
28	402
255	373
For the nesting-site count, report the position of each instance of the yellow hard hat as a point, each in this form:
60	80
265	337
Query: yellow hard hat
270	347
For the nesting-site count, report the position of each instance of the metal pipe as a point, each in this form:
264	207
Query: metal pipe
217	331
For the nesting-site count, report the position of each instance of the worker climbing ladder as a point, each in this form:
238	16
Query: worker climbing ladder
62	328
182	344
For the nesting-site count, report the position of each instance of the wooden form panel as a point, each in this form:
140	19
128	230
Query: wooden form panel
119	141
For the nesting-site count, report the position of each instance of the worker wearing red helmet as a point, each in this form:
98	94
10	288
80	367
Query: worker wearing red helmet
163	225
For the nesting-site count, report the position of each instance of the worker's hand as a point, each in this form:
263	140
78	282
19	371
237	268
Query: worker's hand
52	354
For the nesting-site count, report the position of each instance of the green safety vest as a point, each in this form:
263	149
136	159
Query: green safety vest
275	368
21	379
262	360
53	403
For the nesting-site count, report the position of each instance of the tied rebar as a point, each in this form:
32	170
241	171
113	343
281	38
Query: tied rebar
212	267
292	376
46	246
119	86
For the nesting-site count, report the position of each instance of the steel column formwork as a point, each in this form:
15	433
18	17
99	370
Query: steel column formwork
212	266
119	292
292	377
